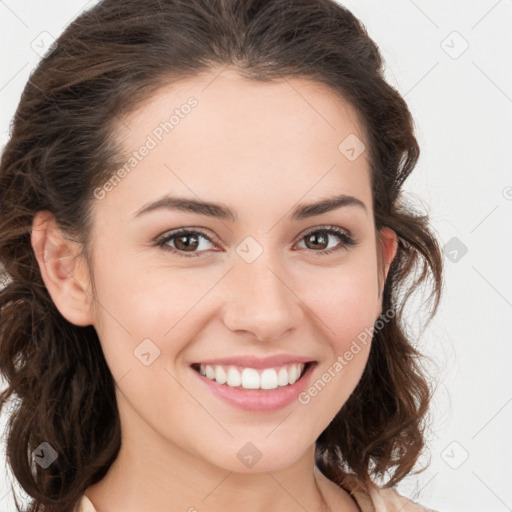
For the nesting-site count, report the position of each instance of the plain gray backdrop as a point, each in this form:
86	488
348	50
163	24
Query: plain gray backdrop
452	61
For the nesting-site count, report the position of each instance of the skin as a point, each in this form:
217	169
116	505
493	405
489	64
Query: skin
259	149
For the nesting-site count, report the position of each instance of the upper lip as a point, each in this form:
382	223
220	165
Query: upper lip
257	362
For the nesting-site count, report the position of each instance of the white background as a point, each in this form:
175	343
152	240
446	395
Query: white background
462	105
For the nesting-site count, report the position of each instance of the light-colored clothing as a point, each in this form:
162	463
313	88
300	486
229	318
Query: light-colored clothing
373	499
84	505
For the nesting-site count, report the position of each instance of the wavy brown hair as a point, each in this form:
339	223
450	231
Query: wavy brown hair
62	145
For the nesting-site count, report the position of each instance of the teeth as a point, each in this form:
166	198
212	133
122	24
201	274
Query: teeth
282	378
250	378
269	379
293	374
210	372
220	374
234	379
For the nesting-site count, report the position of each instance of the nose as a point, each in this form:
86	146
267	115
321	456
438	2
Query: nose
260	300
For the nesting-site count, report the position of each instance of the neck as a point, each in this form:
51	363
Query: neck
145	483
151	473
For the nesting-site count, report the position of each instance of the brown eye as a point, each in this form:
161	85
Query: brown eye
186	242
318	240
183	241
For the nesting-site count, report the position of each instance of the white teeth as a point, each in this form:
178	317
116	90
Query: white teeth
210	372
283	377
293	374
250	378
220	375
234	378
269	379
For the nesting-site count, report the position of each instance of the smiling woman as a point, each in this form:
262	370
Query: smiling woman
223	319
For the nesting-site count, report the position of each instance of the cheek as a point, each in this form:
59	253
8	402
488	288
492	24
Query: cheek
345	305
348	315
146	299
345	300
135	306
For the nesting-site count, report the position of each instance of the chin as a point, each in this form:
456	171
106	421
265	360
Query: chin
255	456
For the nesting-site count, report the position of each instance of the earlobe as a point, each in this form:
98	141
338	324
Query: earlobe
65	277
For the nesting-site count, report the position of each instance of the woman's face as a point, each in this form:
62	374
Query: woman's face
248	281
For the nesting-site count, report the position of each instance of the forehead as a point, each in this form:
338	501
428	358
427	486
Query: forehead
302	106
222	134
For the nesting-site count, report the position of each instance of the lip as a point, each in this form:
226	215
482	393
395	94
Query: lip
257	362
258	400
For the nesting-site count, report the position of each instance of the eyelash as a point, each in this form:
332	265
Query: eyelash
347	240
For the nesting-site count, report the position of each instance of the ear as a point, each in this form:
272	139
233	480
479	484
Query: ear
386	251
63	269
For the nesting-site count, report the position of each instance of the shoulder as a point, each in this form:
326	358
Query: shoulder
373	498
389	500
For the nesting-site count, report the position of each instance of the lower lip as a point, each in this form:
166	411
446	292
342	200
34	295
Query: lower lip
263	400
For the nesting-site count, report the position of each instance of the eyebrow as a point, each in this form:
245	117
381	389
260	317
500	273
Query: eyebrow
220	211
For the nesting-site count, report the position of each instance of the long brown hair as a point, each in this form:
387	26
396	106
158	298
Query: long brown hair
106	63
